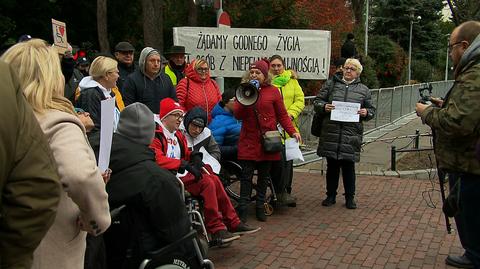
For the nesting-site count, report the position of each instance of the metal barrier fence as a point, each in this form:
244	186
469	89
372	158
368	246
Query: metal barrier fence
391	104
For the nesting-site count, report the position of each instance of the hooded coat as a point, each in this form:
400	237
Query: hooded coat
152	199
258	119
292	94
91	96
140	88
204	139
457	122
192	91
342	140
224	126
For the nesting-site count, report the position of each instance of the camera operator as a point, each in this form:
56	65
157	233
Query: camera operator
456	126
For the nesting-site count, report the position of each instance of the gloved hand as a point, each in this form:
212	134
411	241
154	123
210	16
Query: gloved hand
192	169
196	159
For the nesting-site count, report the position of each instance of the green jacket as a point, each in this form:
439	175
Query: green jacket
456	125
29	184
292	94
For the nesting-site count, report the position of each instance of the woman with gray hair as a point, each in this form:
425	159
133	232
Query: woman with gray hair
340	142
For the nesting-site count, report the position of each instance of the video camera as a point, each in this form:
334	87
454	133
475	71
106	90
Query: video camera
425	94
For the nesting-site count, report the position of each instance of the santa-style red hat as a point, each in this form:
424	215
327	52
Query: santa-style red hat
169	106
263	65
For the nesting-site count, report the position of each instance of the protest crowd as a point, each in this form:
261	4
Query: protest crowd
173	130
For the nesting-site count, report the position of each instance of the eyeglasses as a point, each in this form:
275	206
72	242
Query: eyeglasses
177	116
202	69
450	46
348	68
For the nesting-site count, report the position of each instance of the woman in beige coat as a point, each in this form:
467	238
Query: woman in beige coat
83	206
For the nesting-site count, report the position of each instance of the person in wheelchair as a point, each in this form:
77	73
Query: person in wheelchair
225	127
200	139
172	153
154	214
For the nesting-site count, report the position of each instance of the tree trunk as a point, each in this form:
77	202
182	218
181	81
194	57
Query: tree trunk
454	12
192	13
152	11
102	26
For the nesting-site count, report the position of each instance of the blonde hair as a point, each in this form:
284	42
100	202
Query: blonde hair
40	75
101	66
355	63
199	62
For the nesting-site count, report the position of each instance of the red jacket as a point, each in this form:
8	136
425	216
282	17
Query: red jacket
270	110
159	145
192	91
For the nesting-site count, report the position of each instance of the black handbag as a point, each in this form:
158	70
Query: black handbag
271	140
317	122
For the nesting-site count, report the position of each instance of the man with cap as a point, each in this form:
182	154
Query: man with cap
83	64
172	153
124	53
175	68
147	84
152	199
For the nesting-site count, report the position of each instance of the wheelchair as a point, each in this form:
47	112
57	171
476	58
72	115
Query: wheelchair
230	177
167	257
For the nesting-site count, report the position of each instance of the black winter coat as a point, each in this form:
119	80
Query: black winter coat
342	140
139	88
151	195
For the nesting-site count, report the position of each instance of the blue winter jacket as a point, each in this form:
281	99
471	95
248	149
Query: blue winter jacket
225	129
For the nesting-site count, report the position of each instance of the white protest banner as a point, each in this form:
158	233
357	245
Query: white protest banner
59	30
229	51
345	111
106	133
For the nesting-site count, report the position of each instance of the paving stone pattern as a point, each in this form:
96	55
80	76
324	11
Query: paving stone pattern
393	227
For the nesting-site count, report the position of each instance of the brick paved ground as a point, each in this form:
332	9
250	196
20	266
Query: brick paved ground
393	227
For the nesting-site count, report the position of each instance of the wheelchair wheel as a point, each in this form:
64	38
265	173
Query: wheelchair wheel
230	176
268	209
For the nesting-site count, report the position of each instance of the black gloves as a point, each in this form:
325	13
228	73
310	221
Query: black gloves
192	169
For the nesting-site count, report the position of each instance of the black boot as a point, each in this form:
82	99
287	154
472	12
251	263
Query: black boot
260	213
329	201
242	212
350	202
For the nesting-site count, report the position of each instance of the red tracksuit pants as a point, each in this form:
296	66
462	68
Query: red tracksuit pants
218	210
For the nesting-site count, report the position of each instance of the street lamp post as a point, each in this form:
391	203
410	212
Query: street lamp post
366	30
412	18
446	60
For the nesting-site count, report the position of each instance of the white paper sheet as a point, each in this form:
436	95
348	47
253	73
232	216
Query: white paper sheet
345	111
106	133
292	150
208	159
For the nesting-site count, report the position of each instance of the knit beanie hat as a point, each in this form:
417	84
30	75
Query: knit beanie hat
262	65
197	116
169	106
136	123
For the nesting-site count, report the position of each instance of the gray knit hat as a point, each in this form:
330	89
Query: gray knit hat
137	124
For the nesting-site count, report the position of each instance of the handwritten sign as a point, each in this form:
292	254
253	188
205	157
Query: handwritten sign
229	51
59	30
345	111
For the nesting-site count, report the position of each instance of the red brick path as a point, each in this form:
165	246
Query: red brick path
393	227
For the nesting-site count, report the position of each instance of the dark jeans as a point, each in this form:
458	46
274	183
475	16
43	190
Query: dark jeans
468	219
248	168
282	174
333	174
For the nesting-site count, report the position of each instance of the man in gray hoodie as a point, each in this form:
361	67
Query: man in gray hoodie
147	84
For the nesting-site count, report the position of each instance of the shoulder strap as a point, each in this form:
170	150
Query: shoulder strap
256	118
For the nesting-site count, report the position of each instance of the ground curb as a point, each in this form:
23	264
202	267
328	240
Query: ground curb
415	174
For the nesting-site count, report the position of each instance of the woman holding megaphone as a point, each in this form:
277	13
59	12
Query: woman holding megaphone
259	137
